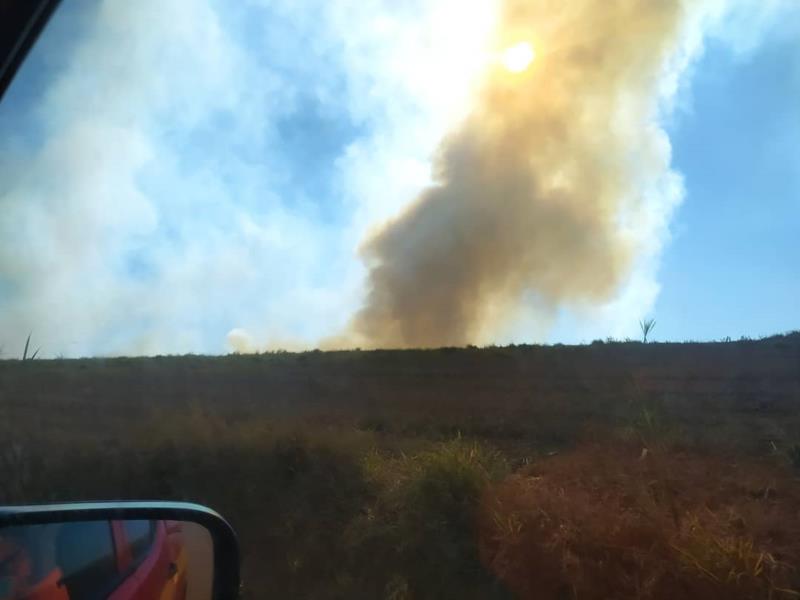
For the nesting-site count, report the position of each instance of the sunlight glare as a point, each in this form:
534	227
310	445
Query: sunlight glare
518	57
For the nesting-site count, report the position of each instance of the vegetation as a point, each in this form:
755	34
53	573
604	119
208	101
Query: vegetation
646	326
606	521
422	521
25	351
794	455
615	470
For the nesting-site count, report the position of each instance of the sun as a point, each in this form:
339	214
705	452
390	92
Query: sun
518	57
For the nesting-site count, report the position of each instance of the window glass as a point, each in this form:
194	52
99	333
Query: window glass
436	298
31	546
139	535
85	553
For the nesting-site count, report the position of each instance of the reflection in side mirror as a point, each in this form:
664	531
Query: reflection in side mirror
114	554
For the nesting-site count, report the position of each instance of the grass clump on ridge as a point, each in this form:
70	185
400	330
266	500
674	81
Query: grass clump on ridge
421	523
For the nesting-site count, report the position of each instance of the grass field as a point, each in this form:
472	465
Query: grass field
609	470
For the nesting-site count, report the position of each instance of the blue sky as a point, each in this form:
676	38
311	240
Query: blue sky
733	265
180	176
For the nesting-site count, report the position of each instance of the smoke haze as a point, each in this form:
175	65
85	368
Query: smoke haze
202	176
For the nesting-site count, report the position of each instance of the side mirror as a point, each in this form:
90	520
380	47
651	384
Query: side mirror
117	551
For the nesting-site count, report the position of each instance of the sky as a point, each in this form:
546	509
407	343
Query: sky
732	267
190	176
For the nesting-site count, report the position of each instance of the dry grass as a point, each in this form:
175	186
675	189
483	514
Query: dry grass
608	521
431	474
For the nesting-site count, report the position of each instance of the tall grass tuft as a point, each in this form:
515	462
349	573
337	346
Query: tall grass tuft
646	326
426	506
25	351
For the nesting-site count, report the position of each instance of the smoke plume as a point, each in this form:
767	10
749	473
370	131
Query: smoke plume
172	171
547	189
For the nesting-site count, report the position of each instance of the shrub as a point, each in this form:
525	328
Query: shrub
730	565
421	528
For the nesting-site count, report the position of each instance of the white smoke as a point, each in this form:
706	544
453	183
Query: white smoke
154	212
147	201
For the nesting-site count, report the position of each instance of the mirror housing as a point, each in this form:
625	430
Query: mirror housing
175	516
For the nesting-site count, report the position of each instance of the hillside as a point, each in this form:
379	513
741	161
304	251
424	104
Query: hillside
490	387
538	472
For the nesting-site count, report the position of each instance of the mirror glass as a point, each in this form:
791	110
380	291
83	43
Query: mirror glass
107	560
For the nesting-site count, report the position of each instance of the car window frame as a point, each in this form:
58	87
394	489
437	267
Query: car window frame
22	22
